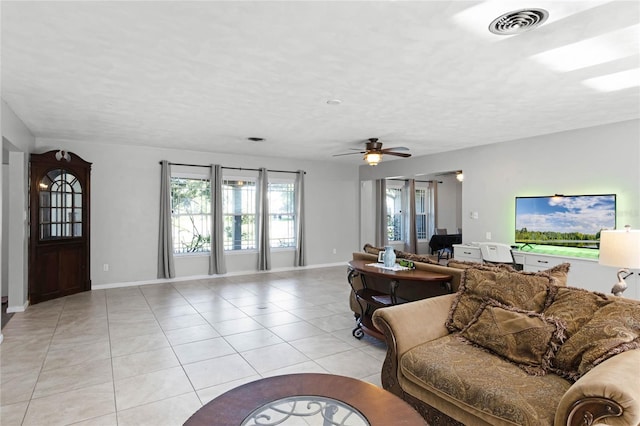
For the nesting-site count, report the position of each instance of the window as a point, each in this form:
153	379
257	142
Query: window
282	215
239	214
397	217
421	214
191	214
394	214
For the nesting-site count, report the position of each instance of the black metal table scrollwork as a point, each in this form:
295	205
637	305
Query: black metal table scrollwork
310	409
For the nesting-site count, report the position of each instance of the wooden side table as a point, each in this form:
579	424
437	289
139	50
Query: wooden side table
369	299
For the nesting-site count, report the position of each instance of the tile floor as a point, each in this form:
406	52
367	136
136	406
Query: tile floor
154	354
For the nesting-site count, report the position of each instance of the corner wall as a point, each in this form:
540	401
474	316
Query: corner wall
602	159
125	187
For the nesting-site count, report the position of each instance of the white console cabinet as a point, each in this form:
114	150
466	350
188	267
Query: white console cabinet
583	273
467	253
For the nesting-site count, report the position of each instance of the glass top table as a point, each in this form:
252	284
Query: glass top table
305	410
308	399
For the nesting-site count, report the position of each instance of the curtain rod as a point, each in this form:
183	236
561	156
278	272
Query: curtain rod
233	168
405	180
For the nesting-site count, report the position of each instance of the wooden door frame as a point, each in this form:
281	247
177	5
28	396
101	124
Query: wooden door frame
41	164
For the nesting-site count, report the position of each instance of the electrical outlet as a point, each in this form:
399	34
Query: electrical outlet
488	235
105	267
334	251
473	215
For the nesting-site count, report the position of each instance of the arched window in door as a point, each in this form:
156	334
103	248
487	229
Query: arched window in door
60	194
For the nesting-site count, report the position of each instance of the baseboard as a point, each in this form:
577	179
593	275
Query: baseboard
22	308
201	277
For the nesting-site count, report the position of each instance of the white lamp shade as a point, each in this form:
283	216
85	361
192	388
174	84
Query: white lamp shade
620	248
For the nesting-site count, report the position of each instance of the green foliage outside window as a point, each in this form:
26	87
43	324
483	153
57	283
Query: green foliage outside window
191	215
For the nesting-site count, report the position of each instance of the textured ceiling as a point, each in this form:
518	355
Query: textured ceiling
206	75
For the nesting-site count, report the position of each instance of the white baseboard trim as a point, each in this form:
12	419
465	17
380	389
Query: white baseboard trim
13	309
203	277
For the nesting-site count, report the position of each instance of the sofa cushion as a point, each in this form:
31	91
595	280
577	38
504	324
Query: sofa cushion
558	272
528	339
523	290
469	376
466	264
368	248
575	306
417	258
614	328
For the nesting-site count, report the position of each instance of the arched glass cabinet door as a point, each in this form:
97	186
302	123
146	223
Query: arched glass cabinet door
60	193
59	243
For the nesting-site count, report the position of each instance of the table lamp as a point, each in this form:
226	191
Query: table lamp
620	248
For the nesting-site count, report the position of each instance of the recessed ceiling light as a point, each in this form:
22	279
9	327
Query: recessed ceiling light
518	21
617	81
254	139
334	102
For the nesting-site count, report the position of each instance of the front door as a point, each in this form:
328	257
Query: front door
59	225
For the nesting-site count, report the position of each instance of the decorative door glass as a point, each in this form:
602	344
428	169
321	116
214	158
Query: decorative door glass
60	205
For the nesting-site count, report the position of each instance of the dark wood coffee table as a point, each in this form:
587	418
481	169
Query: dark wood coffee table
339	399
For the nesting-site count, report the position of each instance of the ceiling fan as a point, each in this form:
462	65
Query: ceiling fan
373	151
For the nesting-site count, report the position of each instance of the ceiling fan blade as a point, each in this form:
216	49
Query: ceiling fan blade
396	148
397	154
348	153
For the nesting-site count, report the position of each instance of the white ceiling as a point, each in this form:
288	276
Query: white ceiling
206	75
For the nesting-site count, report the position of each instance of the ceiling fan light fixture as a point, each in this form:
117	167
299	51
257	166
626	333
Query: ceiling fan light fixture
373	158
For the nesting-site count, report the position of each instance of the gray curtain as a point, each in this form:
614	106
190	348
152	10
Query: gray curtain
262	213
300	257
216	259
411	237
165	240
380	194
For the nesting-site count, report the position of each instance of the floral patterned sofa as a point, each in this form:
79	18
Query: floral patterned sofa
515	348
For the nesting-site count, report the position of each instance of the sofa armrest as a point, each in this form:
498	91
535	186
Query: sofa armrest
406	326
608	391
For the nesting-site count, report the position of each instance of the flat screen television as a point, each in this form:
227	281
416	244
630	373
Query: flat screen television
564	220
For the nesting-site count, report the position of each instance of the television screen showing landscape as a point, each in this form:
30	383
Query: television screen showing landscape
568	220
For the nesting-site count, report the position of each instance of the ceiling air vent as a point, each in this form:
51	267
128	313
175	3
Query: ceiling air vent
518	21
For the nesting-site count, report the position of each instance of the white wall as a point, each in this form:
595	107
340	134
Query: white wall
449	208
602	159
367	214
18	143
125	187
